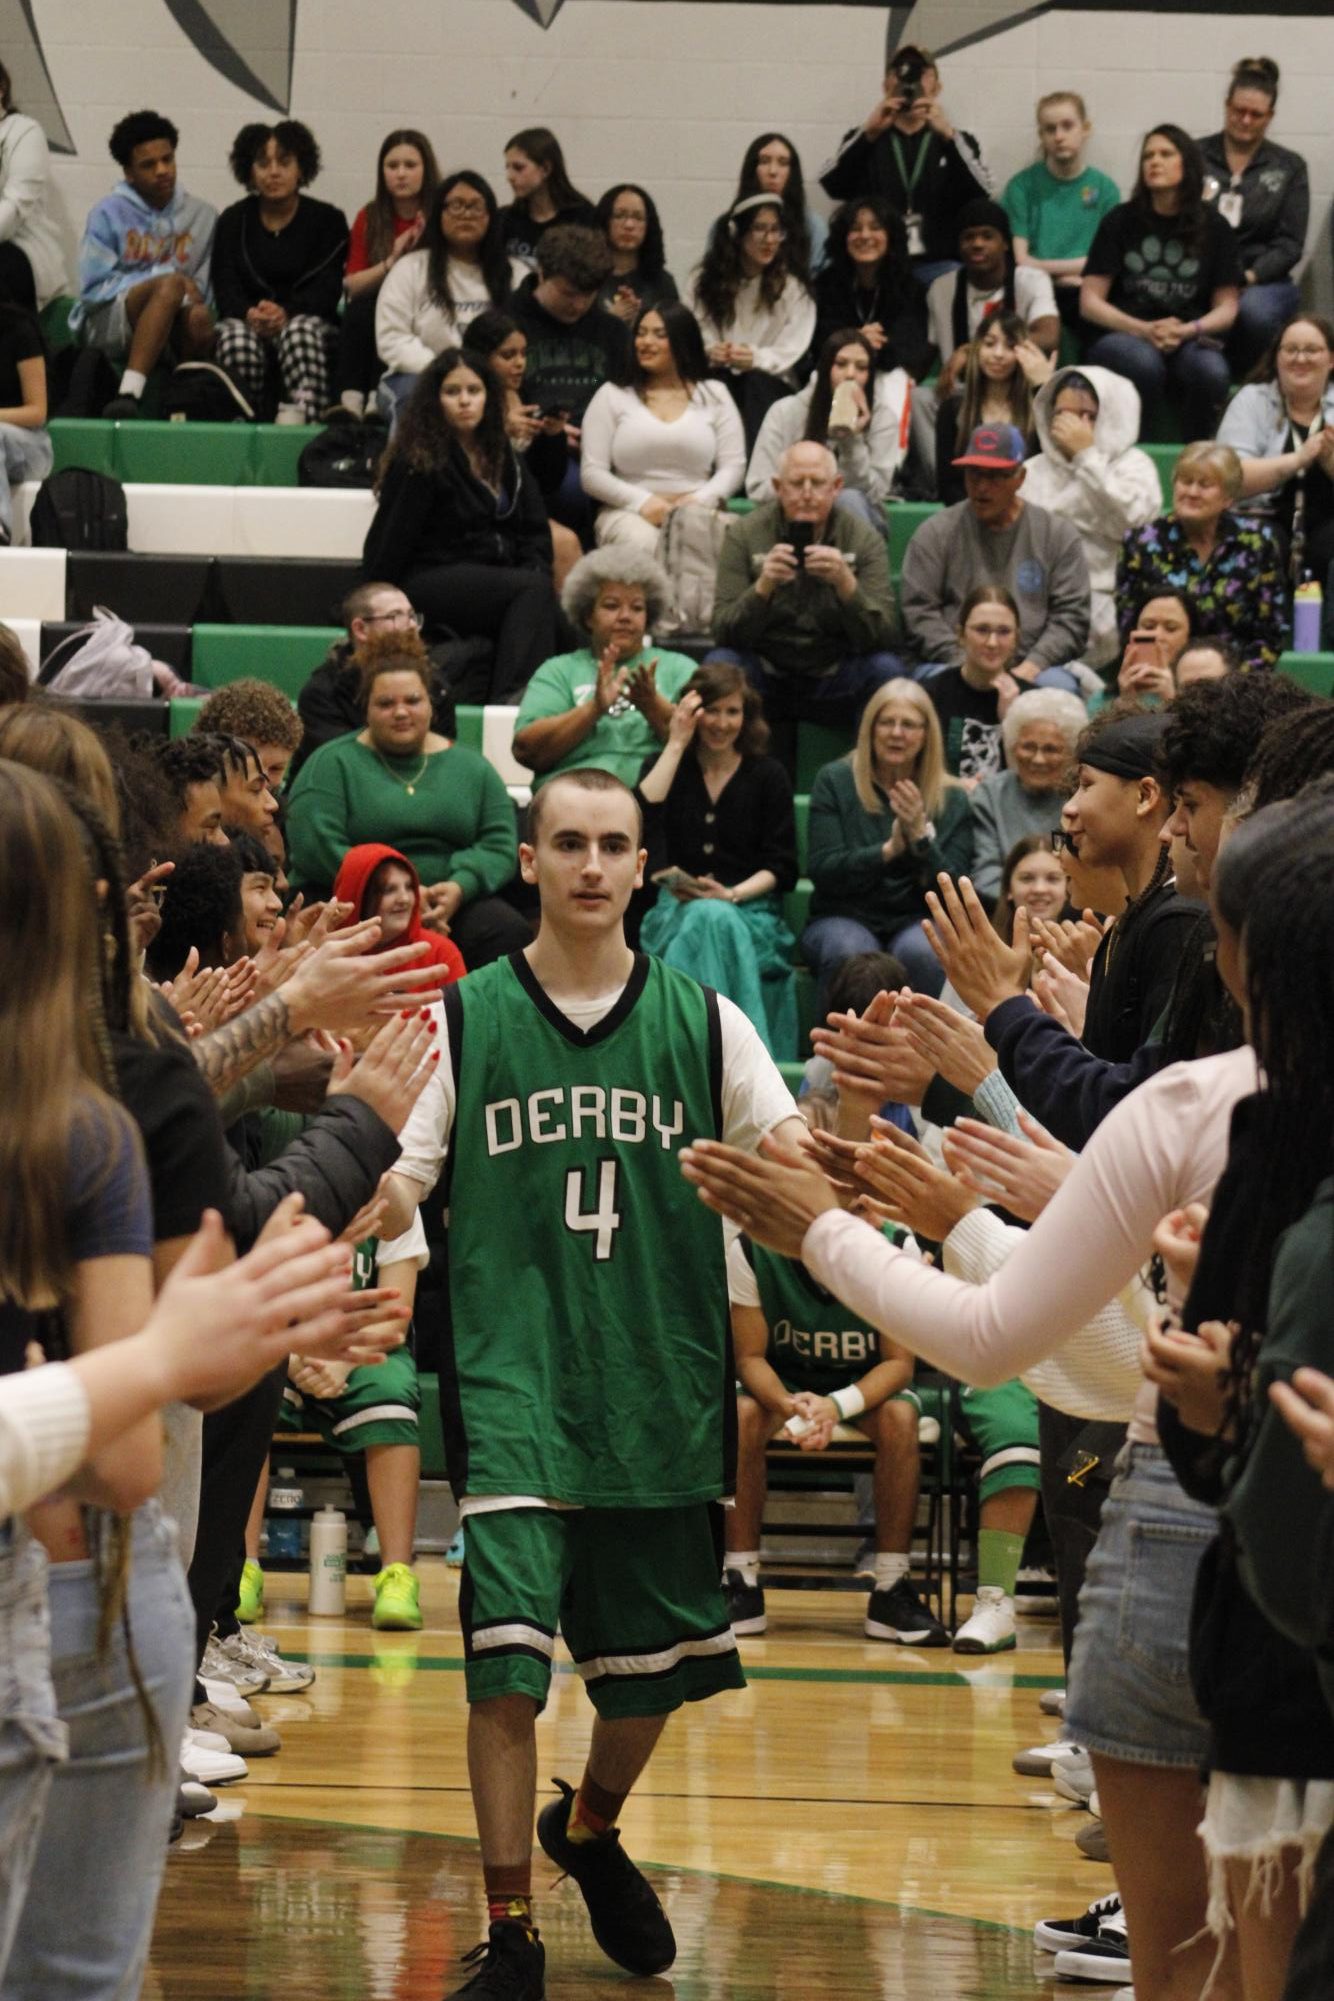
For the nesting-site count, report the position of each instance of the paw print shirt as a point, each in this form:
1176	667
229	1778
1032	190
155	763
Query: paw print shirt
1160	270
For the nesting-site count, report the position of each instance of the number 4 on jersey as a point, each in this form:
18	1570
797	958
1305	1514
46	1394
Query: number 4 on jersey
604	1219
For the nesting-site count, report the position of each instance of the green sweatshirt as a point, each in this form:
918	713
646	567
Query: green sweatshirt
456	824
851	875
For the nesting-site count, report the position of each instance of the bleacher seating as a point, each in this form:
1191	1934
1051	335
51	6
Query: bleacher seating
183	454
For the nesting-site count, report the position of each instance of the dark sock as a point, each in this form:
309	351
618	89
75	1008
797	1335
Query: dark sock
594	1811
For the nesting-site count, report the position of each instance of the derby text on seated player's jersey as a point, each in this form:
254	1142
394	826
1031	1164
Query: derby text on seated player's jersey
816	1343
590	1356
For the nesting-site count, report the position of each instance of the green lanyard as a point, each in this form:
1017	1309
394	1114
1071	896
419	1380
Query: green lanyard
910	180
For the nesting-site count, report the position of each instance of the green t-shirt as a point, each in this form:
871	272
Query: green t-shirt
619	741
1058	218
590	1356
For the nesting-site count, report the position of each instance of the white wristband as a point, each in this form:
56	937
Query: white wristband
848	1402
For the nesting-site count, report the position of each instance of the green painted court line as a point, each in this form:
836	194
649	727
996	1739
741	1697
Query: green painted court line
857	1677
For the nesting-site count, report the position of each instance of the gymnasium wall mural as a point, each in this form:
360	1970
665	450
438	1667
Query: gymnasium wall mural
251	42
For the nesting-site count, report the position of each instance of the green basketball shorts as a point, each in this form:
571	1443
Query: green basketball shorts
1003	1425
635	1593
378	1406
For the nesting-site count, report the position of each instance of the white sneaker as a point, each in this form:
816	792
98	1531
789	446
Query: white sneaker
1037	1761
226	1695
1072	1777
991	1629
221	1665
210	1767
1052	1702
258	1654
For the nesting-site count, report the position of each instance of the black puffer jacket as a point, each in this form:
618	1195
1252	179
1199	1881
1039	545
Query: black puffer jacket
336	1163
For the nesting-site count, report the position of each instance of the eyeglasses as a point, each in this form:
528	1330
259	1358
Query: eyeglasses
1038	750
896	723
628	215
413	618
465	208
767	232
1303	353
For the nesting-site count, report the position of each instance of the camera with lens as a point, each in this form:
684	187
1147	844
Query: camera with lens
908	70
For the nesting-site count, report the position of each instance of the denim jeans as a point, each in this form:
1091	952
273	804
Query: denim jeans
1196	376
88	1919
24	455
32	1739
828	941
839	697
1260	314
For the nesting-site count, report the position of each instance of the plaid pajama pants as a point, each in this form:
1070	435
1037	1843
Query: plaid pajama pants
302	355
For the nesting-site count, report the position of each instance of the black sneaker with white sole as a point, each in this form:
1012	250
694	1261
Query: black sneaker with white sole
628	1921
899	1614
1063	1934
1106	1957
745	1604
509	1966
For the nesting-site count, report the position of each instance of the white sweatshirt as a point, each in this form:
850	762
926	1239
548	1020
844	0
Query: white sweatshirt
1160	1148
1103	492
44	1425
412	328
25	175
779	334
869	460
627	454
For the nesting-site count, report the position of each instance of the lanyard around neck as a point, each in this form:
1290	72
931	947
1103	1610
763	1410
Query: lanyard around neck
910	180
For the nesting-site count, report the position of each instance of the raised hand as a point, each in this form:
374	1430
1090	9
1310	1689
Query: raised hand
774	1196
948	1040
979	965
1000	1167
873	1057
346	983
395	1070
1063	996
611	681
1072	942
898	1173
1177	1242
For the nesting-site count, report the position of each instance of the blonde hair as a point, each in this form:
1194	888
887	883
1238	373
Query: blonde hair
1211	457
930	776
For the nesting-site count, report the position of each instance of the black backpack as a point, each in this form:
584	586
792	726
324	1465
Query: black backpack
344	455
80	509
199	392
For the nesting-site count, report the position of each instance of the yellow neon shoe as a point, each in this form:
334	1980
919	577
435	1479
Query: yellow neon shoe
397	1595
250	1602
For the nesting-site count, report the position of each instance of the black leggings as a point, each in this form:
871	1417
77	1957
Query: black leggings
236	1451
359	364
515	609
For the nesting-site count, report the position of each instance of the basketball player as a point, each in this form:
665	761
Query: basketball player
587	1389
802	1355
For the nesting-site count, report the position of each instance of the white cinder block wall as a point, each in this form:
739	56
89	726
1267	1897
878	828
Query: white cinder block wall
667	92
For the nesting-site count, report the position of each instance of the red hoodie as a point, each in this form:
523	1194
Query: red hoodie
353	885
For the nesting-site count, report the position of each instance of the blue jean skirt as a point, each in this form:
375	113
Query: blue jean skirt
1129	1691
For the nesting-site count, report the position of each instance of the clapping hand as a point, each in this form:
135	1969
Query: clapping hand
948	1040
898	1173
1191	1370
1002	1168
979	965
612	681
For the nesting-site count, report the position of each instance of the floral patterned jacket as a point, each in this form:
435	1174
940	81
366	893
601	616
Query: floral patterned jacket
1239	592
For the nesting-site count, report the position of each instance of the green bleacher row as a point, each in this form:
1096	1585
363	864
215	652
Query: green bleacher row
146	453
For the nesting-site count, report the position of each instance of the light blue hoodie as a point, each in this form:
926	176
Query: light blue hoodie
126	240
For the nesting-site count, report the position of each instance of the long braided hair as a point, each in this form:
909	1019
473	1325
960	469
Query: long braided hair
1273	886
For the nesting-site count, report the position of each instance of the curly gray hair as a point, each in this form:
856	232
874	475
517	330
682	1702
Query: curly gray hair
614	566
1044	705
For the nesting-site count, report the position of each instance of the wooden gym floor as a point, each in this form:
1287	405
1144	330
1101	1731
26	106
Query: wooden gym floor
848	1827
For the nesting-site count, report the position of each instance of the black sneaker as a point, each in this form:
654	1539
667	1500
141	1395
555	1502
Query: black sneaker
900	1615
628	1921
1106	1957
512	1967
121	408
745	1604
1065	1934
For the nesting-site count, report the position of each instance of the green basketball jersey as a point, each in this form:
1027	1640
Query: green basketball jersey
590	1353
816	1343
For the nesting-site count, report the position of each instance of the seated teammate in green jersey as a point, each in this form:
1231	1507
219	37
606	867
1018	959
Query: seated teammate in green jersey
587	1386
807	1363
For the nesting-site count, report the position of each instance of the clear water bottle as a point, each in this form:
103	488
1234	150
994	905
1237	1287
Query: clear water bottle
285	1501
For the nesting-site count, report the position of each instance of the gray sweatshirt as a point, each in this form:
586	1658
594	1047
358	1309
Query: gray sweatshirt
1041	560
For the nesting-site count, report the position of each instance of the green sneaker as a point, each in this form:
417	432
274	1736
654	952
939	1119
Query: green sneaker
397	1592
250	1604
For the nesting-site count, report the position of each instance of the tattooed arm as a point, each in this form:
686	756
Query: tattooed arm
229	1053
